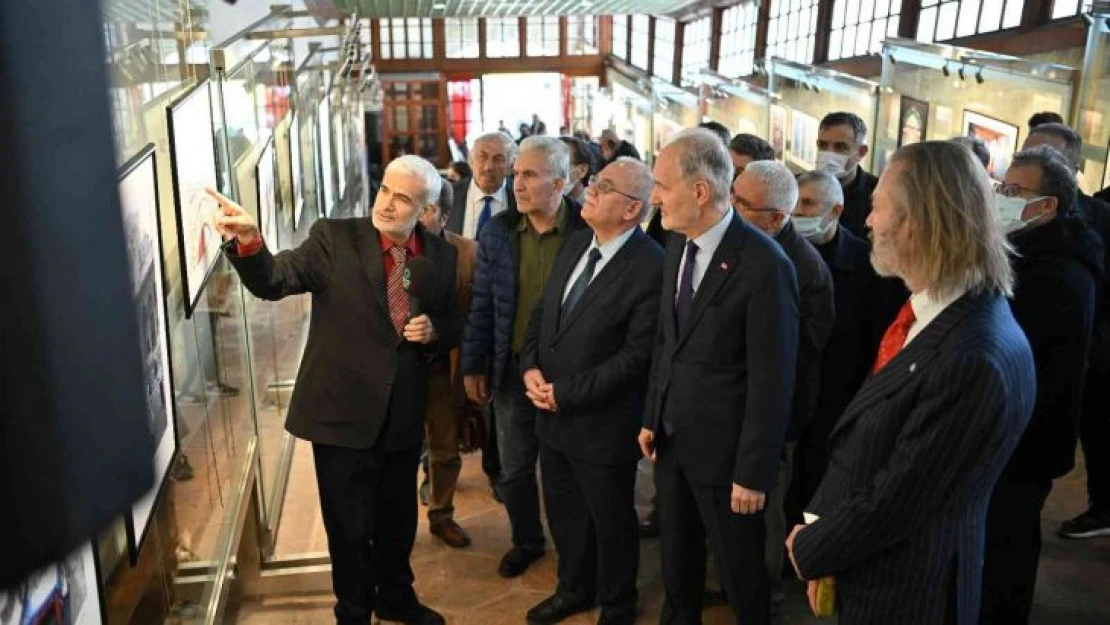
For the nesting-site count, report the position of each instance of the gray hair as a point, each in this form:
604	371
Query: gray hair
508	146
827	186
703	156
977	146
553	150
1073	143
642	181
412	165
782	188
1057	179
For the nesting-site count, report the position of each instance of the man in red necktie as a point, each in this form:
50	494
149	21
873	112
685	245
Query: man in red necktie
362	387
898	520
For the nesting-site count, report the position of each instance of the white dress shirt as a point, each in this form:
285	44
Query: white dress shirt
925	309
608	251
474	201
707	244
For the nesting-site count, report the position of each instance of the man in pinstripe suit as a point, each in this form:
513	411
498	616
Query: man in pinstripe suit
897	524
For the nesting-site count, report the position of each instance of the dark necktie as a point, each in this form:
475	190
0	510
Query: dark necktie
579	286
398	297
483	217
684	305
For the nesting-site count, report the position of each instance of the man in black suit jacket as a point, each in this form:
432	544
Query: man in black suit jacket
765	195
362	386
585	364
722	382
491	160
899	518
841	146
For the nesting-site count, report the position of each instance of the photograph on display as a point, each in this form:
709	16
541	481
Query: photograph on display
778	130
138	190
913	121
295	166
64	593
323	122
1000	137
193	162
664	128
803	139
266	187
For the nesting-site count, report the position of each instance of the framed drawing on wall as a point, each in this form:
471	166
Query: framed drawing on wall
1000	137
266	188
64	593
803	140
913	121
138	190
193	162
778	130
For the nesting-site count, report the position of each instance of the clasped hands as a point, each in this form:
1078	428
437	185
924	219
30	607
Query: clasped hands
539	391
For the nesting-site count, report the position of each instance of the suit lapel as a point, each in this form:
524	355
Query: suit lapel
910	361
601	282
368	243
720	268
671	263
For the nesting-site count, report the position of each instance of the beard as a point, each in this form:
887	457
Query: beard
884	257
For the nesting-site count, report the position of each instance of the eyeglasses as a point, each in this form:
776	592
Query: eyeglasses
742	204
604	186
1013	190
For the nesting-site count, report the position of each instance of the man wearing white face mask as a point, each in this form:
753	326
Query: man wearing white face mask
1058	267
764	194
841	145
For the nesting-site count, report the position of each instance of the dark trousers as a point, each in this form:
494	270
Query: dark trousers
519	449
442	461
688	514
592	517
1012	551
369	508
1094	435
491	459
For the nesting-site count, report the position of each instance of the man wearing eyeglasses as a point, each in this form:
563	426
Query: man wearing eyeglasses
585	365
1058	266
765	195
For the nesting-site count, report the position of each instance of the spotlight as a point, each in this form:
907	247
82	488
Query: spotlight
961	73
979	76
945	70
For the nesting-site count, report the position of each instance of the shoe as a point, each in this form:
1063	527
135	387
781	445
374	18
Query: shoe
649	527
182	471
517	561
554	609
418	614
425	492
449	532
1087	525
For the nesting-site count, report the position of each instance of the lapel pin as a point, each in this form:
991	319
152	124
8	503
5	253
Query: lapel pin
724	266
913	367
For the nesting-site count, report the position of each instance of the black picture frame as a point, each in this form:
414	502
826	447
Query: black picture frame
192	288
137	529
267	220
1001	138
913	121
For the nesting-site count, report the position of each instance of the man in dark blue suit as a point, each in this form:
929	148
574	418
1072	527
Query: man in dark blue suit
899	518
585	365
722	383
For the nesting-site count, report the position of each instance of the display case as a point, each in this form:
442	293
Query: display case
1092	110
806	94
633	107
675	109
934	91
736	103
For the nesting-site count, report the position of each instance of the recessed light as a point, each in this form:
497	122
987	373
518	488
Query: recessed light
439	6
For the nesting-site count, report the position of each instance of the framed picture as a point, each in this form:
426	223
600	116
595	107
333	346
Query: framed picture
138	190
1000	137
193	162
803	139
323	123
295	170
266	188
65	593
778	130
913	121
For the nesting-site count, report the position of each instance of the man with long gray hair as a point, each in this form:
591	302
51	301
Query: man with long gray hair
722	384
896	528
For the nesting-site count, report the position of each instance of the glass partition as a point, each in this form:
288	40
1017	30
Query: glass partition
933	91
1094	93
739	105
807	94
632	111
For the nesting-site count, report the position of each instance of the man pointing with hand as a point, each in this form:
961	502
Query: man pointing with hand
362	386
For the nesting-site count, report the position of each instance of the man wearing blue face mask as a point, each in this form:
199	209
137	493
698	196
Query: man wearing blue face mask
1058	267
765	194
841	145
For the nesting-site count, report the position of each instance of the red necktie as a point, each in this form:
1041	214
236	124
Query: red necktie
398	297
895	337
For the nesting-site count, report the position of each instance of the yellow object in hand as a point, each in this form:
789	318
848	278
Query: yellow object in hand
826	597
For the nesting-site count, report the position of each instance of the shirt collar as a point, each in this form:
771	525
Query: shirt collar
560	220
927	306
412	245
479	194
613	246
710	239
